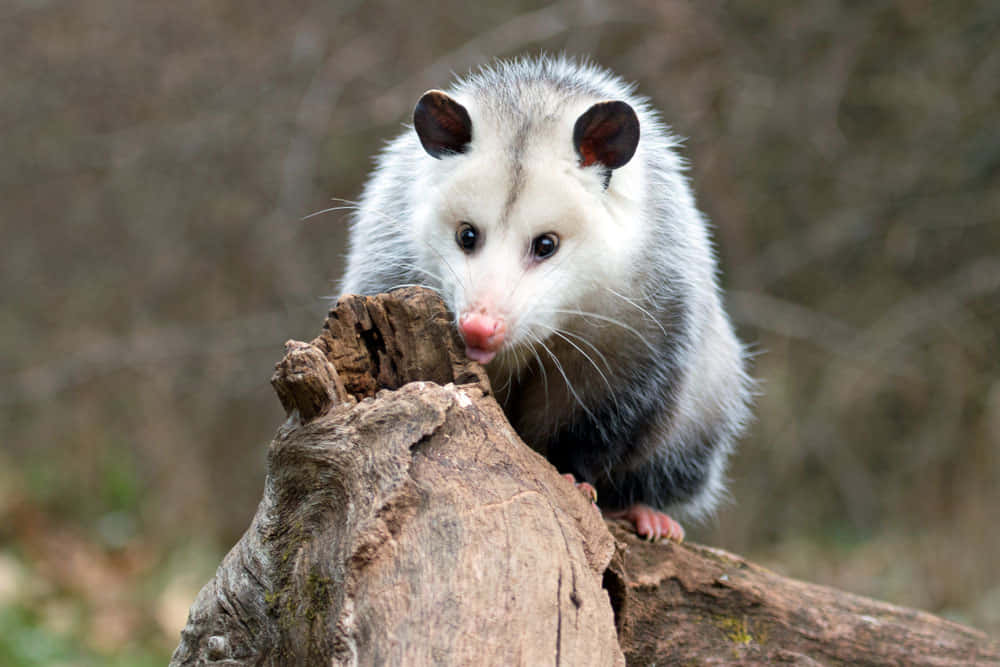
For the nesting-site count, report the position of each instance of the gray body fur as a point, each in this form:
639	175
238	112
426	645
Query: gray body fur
637	387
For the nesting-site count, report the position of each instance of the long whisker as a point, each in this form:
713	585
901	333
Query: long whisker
569	385
429	274
392	220
586	342
401	285
541	369
605	318
597	368
446	263
519	365
451	269
348	206
328	210
639	308
544	372
503	388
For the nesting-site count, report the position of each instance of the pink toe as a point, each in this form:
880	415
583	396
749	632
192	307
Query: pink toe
588	490
643	524
650	523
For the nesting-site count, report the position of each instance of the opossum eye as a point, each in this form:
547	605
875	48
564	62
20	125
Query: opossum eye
467	237
544	246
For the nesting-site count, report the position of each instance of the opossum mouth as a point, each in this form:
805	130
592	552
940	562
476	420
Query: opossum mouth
479	354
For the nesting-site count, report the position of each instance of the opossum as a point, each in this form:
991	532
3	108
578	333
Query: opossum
547	205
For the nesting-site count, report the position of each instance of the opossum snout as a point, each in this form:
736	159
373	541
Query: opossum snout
483	334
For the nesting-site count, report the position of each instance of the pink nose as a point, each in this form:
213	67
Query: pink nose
483	335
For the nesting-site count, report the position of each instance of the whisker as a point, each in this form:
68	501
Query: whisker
447	264
413	267
519	364
503	388
583	340
569	385
348	205
541	368
328	210
605	318
639	308
345	201
392	220
541	365
401	285
597	368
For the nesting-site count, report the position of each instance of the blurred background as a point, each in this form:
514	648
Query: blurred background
156	163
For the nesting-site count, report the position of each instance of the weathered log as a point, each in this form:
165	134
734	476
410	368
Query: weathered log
403	522
689	604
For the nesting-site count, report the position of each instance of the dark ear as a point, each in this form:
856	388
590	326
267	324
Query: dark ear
443	125
607	133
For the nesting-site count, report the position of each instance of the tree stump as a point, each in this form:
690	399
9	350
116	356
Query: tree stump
403	522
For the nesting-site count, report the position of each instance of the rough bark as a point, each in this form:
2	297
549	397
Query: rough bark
403	522
690	604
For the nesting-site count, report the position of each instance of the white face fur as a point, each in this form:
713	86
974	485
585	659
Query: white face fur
503	274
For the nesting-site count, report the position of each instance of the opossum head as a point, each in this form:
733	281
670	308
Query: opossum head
522	223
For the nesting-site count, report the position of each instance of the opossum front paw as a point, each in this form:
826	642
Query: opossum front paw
650	523
588	491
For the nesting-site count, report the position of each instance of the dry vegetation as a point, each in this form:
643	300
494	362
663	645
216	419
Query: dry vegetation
156	160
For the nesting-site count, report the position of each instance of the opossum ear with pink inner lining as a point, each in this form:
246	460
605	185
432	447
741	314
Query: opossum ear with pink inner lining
606	134
443	125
